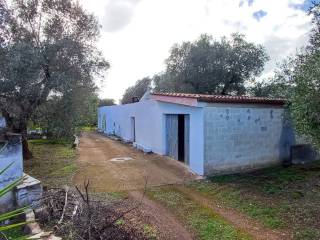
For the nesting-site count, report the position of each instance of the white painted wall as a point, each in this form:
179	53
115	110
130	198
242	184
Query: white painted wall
150	126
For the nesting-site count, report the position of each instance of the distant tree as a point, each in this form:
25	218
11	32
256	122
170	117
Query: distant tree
106	102
47	48
209	66
62	116
281	85
299	80
135	92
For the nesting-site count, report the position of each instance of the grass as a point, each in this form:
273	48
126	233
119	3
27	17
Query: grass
236	198
280	198
200	220
53	162
88	128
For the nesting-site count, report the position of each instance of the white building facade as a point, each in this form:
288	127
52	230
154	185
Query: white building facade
210	134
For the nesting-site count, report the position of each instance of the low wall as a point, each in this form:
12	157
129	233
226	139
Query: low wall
10	152
29	192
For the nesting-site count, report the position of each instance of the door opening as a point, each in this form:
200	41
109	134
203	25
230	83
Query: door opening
181	139
133	129
177	136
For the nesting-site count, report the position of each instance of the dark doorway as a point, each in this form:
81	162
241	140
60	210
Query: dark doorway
177	137
133	129
181	139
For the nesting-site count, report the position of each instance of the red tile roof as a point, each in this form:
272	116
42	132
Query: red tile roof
225	98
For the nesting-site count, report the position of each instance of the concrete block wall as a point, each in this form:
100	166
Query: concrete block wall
240	138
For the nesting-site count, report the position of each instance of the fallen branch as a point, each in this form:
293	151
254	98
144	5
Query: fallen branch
65	205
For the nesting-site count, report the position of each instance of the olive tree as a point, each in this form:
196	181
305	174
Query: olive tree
135	92
211	66
47	48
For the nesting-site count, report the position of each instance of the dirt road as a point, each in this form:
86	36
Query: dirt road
114	166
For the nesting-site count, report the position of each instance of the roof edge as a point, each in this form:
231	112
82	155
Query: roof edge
225	98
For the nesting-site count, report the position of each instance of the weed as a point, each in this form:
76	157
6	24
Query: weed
119	222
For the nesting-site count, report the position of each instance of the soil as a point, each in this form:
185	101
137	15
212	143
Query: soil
168	227
96	163
113	166
237	219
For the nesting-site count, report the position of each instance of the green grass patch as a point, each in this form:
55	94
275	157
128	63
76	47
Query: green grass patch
50	141
88	128
200	220
278	197
53	162
236	198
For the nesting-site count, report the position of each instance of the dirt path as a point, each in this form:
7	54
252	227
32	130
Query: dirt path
168	226
239	220
97	162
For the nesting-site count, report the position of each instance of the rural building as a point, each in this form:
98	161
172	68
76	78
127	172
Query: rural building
211	134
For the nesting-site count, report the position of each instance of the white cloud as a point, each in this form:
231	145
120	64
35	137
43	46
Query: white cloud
118	14
137	35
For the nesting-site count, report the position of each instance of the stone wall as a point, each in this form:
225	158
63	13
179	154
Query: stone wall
244	137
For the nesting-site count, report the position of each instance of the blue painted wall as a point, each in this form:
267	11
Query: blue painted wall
2	122
150	126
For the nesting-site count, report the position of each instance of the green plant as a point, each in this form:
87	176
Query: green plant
12	214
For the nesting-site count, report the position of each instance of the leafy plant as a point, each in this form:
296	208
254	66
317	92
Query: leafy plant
12	214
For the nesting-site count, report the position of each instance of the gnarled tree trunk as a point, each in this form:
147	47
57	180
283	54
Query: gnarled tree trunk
19	126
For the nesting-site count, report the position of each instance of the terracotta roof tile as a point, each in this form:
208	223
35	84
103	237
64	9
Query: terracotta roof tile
226	98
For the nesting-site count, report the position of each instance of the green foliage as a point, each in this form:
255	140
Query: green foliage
209	66
298	80
106	102
305	101
135	92
61	117
12	214
47	52
14	234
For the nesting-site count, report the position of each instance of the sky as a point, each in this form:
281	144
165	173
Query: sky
137	35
